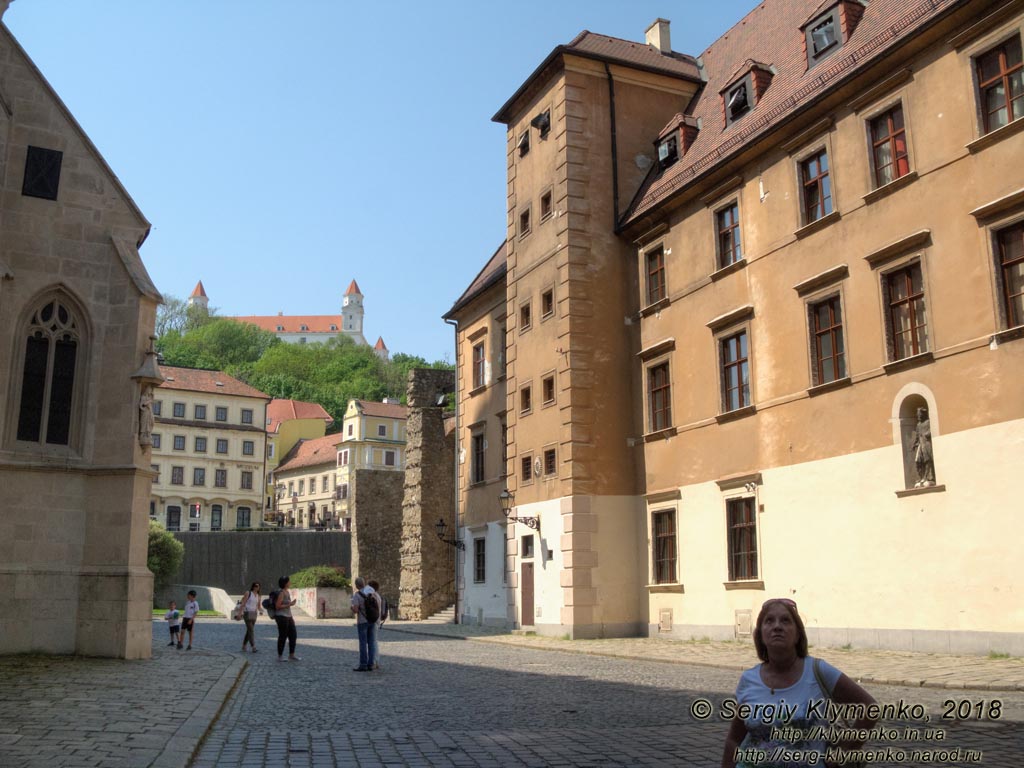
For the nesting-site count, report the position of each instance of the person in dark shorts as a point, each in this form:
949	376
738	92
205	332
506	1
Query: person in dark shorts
285	622
188	621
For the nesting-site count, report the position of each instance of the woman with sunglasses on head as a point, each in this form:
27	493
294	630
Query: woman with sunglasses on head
791	680
250	610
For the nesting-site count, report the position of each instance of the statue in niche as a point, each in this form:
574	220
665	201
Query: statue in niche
146	417
922	450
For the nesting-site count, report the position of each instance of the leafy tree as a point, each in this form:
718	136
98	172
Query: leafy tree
176	315
164	556
218	344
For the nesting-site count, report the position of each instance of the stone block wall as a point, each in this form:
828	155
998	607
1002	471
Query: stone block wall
376	505
428	564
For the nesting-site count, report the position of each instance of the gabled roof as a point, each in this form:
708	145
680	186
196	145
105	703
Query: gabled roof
211	382
199	291
771	33
613	50
353	288
382	410
380	346
294	323
279	411
311	453
493	271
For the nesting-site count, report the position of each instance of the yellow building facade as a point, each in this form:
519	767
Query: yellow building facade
372	437
776	289
289	421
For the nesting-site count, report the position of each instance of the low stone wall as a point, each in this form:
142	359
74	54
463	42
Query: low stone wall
232	560
323	603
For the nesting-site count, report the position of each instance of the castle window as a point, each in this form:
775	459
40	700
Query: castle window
48	377
303	328
334	327
42	173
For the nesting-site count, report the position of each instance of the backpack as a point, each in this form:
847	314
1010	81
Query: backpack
270	603
371	609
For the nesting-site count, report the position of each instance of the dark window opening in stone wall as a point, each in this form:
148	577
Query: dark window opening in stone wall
42	173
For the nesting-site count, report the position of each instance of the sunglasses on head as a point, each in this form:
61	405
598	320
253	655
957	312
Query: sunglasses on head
786	601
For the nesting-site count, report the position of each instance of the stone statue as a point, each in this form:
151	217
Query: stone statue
922	450
146	417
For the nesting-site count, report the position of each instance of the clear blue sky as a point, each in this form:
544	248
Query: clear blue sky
281	149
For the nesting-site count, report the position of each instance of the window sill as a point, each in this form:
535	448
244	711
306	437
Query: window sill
672	587
814	226
547	404
657	306
908	362
1009	334
919	491
820	389
477	390
753	584
736	266
886	189
739	413
661	434
994	137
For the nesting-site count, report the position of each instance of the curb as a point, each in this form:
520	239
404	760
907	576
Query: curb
185	743
875	680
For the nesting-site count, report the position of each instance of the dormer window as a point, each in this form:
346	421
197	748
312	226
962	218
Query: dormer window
542	122
303	328
823	37
524	143
280	327
334	327
668	152
738	101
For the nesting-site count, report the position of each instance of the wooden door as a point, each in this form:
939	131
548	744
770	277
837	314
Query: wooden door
527	584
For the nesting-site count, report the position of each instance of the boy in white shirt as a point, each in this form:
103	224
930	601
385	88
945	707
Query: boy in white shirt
189	620
173	619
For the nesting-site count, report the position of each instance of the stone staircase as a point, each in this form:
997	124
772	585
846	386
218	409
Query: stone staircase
445	616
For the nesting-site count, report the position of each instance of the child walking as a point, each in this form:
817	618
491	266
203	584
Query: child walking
188	622
173	619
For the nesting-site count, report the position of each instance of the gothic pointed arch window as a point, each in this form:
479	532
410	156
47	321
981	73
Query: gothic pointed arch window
50	373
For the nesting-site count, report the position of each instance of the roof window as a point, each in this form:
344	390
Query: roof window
823	36
668	151
738	100
542	122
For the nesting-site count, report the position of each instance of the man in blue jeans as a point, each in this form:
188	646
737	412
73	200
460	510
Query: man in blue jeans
367	629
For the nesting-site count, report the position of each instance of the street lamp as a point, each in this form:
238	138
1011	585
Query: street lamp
508	500
441	527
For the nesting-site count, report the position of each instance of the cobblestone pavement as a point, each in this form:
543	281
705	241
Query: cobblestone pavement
442	701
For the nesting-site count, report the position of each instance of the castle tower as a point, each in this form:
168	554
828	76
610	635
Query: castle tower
199	297
352	311
381	349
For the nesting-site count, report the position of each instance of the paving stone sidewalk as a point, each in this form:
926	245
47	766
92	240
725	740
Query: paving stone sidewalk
63	711
929	670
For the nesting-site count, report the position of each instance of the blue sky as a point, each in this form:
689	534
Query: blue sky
281	149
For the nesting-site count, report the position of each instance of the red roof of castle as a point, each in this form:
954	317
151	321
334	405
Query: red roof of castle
279	411
214	382
309	453
199	291
353	288
294	323
380	345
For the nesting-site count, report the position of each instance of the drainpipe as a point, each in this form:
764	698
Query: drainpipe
615	149
455	469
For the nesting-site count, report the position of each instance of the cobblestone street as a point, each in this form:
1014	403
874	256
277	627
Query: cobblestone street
448	702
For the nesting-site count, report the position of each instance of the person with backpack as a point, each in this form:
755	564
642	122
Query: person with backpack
282	603
375	649
366	608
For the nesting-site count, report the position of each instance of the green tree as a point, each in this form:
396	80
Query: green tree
176	315
165	554
219	344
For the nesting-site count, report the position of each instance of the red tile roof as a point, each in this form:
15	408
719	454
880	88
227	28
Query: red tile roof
199	290
383	410
771	33
380	346
614	50
353	288
294	323
279	411
214	382
493	271
311	453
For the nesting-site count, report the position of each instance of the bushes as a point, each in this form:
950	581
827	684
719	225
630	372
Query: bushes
164	556
321	576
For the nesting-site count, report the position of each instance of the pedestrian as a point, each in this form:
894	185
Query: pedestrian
188	621
173	619
375	651
788	677
285	622
251	609
366	608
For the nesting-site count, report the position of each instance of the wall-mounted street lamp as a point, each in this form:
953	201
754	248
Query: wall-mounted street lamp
441	527
508	500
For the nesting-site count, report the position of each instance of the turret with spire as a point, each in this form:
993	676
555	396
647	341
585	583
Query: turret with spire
381	349
199	297
352	310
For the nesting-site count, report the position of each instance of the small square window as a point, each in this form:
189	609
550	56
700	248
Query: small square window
822	37
158	406
382	430
179	442
525	318
200	445
200	413
524	223
668	152
222	413
525	400
545	206
222	445
542	123
389	458
42	173
198	476
156	441
177	475
248	448
526	467
547	303
550	462
738	101
179	410
247	415
548	387
246	484
220	478
527	546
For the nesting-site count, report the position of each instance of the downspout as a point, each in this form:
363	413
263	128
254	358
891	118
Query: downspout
615	149
455	469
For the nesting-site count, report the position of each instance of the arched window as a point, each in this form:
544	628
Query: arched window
51	361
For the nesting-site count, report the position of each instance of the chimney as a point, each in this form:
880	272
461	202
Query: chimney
657	35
